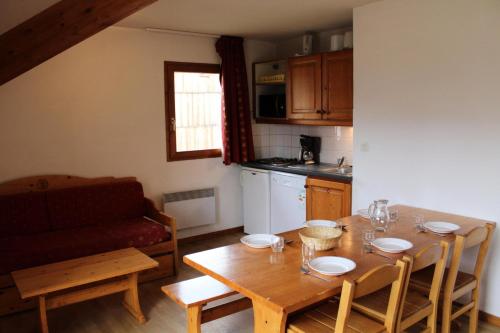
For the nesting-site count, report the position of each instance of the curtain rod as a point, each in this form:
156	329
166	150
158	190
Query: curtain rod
184	33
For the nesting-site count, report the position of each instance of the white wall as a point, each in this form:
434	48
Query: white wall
427	111
97	109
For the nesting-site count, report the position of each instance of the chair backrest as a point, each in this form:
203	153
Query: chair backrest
433	254
478	236
370	282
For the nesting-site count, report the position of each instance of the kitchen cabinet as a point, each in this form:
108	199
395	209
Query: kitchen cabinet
320	88
337	101
327	200
304	87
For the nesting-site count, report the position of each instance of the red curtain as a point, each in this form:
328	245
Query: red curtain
237	137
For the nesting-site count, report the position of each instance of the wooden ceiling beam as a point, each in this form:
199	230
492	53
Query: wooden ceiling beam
56	29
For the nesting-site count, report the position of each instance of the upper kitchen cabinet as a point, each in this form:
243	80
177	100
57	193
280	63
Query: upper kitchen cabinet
337	86
304	87
320	88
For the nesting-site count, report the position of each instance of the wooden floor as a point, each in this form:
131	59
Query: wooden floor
107	315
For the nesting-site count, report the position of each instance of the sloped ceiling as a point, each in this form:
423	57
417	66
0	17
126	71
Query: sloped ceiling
14	12
259	19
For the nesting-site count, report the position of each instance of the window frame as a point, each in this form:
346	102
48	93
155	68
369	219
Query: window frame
170	67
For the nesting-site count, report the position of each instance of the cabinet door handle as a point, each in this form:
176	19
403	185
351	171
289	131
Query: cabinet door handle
321	189
319	111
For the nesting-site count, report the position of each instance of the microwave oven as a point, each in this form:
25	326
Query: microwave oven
272	106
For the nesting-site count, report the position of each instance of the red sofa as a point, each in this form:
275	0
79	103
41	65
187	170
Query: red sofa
64	222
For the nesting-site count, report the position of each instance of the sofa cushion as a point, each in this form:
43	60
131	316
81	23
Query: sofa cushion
23	214
95	204
25	251
138	233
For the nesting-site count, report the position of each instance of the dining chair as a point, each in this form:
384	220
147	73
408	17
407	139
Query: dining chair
415	306
336	314
458	283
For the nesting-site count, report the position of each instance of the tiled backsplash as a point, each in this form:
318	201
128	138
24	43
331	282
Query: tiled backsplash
283	141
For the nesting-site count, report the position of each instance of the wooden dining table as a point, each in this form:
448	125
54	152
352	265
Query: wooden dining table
275	283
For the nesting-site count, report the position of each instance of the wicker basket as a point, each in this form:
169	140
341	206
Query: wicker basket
323	238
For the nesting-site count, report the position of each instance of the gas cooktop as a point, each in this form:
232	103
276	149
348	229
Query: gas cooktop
278	161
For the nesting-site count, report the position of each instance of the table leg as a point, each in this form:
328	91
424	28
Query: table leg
131	299
266	319
44	327
194	319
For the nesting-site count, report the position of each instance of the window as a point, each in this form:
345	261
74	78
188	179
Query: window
193	110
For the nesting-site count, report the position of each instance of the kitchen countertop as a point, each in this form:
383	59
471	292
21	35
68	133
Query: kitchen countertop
314	170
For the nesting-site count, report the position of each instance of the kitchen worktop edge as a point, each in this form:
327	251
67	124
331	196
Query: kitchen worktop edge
309	173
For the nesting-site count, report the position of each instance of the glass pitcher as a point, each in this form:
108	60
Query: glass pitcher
379	214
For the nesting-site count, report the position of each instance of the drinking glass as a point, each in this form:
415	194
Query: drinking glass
419	223
278	243
276	258
340	225
308	254
393	214
368	237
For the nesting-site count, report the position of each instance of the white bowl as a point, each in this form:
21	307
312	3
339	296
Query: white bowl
441	227
258	241
330	265
392	245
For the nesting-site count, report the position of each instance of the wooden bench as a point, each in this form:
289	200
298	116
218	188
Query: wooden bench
195	293
93	276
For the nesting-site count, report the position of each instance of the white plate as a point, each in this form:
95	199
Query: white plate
258	241
330	265
321	223
364	213
392	245
441	227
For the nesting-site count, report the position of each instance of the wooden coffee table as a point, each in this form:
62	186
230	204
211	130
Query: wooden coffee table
81	279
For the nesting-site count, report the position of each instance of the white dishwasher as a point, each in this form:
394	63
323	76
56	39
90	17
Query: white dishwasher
288	201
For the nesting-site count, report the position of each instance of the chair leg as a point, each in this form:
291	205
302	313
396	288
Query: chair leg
194	319
432	320
446	319
474	312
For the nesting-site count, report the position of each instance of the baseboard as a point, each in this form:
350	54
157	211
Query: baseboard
489	318
209	235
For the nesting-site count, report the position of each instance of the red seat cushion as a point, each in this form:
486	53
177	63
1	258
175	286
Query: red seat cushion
25	251
95	204
139	232
23	214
